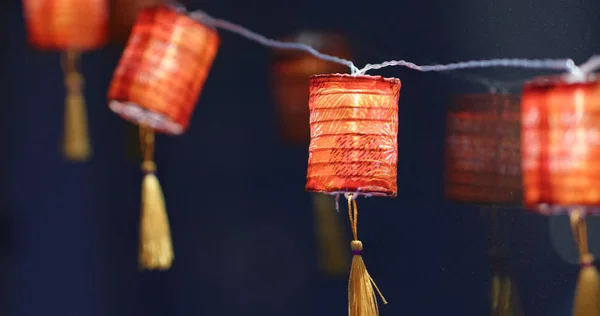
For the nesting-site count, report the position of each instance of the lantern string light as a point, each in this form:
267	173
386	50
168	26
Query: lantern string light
552	64
493	85
557	64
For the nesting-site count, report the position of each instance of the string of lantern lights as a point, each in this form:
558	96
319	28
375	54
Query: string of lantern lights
353	148
553	64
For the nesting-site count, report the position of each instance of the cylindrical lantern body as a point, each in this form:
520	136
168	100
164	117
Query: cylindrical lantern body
482	156
354	135
291	73
123	14
561	145
163	69
66	24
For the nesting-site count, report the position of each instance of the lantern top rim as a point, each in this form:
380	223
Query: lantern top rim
349	78
552	81
472	103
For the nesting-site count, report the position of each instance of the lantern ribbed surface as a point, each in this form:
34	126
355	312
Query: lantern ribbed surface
561	145
163	69
354	134
66	24
482	154
291	72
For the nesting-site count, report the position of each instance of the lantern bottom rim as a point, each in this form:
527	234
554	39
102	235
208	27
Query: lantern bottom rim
551	209
139	115
355	194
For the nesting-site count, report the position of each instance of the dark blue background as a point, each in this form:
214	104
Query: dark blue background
241	221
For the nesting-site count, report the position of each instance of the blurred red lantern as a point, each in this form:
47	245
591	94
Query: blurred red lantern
483	166
354	151
70	26
561	145
482	158
561	171
290	75
163	68
63	25
156	86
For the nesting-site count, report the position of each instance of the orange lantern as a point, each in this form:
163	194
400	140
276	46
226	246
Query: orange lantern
291	72
561	174
354	151
156	86
483	158
483	166
70	26
64	25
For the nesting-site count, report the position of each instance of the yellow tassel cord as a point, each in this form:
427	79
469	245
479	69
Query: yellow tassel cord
156	249
333	257
586	294
362	299
76	141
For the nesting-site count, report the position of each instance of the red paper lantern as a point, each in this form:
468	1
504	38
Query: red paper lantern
163	68
69	26
482	158
561	145
291	72
354	150
561	170
66	24
354	127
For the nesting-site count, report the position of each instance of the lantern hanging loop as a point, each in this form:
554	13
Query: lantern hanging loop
353	215
147	146
352	196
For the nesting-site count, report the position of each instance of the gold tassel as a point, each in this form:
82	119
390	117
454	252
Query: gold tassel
362	299
76	141
495	296
505	297
333	255
156	249
510	303
586	294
